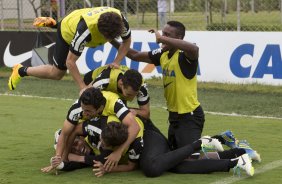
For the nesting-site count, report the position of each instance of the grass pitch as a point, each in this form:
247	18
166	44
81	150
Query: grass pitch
28	125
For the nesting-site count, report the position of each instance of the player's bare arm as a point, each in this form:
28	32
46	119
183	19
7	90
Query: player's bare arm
122	50
190	50
99	169
134	54
77	131
143	110
62	142
72	67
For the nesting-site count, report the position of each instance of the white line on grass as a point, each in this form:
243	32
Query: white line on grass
263	169
239	115
207	112
41	97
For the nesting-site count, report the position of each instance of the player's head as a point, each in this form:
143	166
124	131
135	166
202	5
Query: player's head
80	147
174	29
114	134
110	25
92	102
131	84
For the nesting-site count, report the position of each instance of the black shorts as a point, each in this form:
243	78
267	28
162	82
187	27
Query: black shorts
61	51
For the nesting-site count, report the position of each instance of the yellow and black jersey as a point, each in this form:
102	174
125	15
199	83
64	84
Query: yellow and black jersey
179	80
79	28
107	79
114	106
93	129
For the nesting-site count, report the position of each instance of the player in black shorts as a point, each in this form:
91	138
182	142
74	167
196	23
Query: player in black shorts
89	27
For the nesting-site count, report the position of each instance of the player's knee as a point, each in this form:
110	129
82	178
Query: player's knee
57	74
151	169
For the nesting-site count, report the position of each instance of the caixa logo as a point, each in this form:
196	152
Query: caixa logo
93	64
270	62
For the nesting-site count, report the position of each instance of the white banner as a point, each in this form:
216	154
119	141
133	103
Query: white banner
233	57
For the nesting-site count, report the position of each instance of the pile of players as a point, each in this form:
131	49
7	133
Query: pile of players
102	132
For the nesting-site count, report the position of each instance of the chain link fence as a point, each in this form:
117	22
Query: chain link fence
197	15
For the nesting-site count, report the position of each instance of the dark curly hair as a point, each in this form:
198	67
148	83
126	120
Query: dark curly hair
179	27
114	134
110	25
133	79
93	96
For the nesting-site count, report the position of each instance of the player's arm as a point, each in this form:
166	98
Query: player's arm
143	110
99	169
122	50
134	54
191	50
125	44
71	121
143	100
77	131
81	37
62	143
71	65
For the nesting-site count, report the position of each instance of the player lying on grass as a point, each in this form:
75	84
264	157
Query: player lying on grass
157	157
102	137
91	104
127	83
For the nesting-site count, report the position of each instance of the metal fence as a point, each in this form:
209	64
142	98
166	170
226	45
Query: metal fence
201	15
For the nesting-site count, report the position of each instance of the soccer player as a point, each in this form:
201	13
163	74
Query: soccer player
178	59
88	27
94	128
91	104
103	135
157	156
125	82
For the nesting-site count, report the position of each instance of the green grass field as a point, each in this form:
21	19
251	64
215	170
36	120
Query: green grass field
28	125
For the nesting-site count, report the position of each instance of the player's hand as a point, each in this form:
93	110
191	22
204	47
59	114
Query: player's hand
134	112
112	161
99	169
83	89
114	65
47	169
55	161
157	34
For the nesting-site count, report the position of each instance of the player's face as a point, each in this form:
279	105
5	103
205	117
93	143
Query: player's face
80	147
89	111
128	93
170	32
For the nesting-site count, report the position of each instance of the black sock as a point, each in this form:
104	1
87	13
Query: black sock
219	137
22	71
232	153
196	145
232	163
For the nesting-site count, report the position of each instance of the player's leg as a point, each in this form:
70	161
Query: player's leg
58	69
208	166
186	129
157	158
55	71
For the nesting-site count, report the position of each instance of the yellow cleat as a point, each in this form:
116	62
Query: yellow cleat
44	22
15	78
